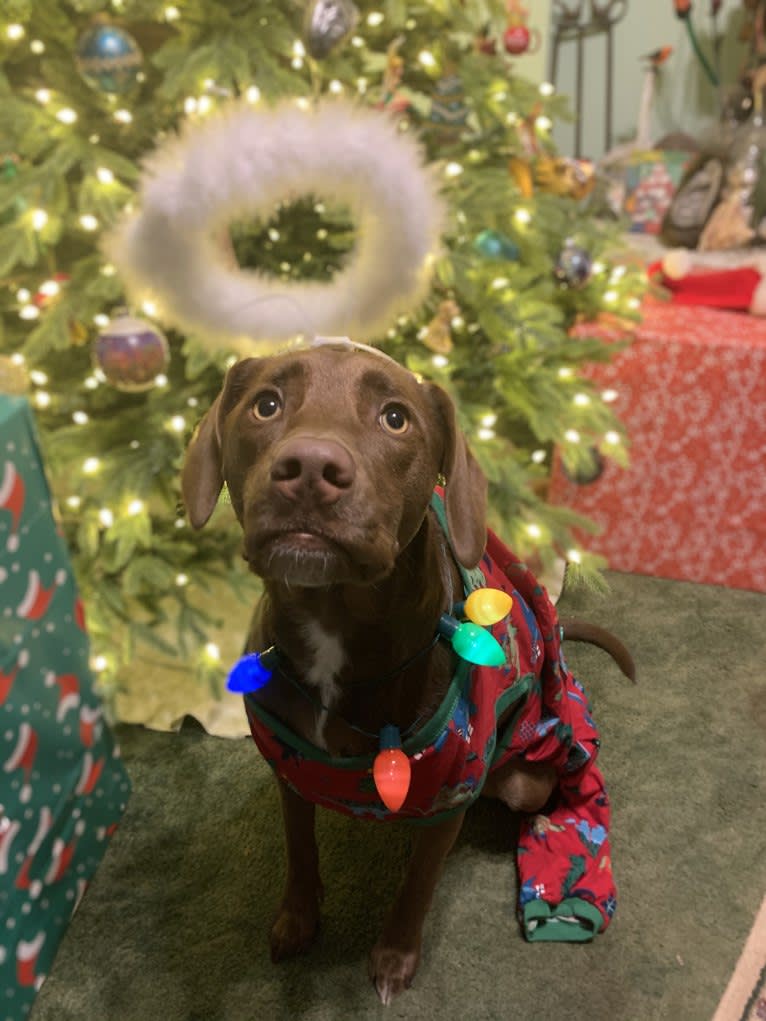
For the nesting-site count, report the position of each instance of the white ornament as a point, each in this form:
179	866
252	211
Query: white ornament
242	164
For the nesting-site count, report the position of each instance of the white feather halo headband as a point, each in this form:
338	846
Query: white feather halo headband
242	163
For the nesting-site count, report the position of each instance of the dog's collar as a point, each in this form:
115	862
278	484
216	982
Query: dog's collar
471	639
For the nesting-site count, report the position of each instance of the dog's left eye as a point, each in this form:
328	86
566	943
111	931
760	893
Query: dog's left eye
266	405
395	419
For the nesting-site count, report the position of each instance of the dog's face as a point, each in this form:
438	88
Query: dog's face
330	456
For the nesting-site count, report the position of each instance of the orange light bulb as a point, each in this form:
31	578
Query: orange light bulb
391	770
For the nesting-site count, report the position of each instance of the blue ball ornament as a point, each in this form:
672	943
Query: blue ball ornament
573	266
131	353
494	245
109	58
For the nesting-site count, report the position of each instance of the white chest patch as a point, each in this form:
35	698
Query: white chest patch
328	660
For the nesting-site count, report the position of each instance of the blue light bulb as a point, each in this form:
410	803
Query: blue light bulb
251	672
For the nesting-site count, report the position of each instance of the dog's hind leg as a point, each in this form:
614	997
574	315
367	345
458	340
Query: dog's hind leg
297	919
522	786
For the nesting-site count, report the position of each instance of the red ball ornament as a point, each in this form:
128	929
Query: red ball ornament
516	39
131	353
391	770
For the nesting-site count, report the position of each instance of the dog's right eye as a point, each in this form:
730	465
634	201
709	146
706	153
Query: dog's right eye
266	405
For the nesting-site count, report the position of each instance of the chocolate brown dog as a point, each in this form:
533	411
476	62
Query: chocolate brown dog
331	456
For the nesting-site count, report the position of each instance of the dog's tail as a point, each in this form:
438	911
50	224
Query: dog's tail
577	630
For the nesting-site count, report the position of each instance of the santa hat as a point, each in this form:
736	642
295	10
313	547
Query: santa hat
23	757
27	954
742	288
23	881
6	680
12	499
37	598
8	830
89	718
69	692
90	774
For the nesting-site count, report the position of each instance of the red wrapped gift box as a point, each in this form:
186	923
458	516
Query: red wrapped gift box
692	395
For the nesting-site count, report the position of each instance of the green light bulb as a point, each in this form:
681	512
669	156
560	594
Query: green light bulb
473	643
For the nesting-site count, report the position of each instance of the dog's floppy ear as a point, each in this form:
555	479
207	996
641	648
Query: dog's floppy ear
465	489
202	475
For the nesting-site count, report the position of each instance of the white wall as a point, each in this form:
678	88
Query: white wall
684	100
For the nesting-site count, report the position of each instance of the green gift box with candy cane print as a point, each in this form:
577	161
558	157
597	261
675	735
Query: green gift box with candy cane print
63	786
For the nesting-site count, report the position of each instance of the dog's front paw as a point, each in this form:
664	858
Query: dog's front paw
293	931
392	970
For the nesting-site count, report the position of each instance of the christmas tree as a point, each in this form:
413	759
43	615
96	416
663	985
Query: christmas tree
88	89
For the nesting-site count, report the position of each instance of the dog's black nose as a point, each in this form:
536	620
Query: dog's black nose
307	468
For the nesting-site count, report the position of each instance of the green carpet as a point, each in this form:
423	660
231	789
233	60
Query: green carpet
174	925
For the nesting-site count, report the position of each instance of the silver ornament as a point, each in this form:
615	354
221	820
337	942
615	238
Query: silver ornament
328	22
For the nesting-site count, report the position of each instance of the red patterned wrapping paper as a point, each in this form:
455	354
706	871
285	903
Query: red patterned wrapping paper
692	396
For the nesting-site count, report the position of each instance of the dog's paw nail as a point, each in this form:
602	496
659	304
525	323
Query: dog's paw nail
384	993
392	971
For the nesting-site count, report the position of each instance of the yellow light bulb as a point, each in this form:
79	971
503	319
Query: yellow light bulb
487	606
